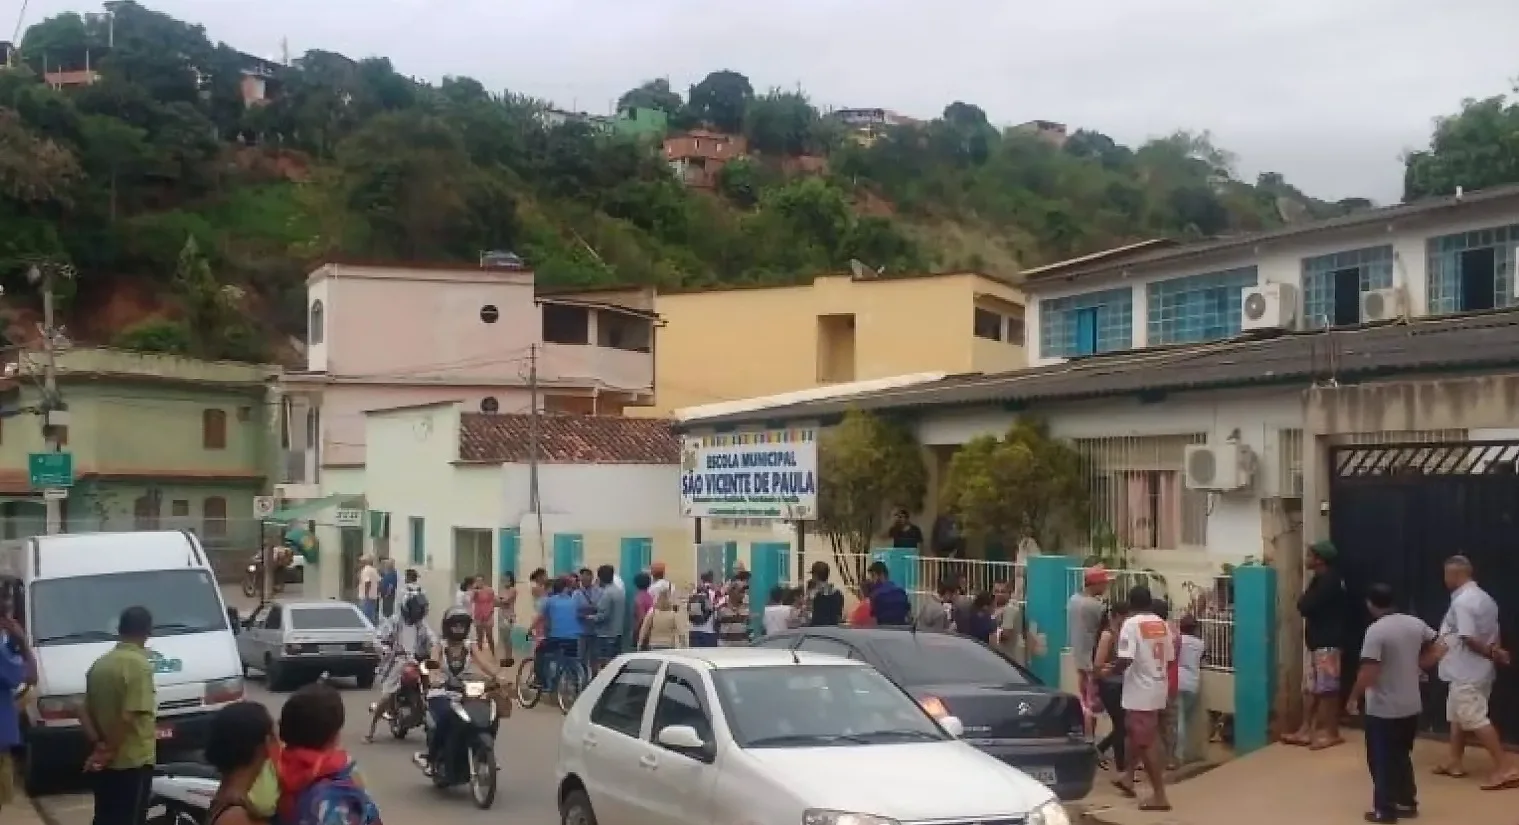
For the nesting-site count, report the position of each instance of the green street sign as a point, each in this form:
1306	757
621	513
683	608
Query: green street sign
51	469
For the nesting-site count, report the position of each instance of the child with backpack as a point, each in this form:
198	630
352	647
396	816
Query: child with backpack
318	782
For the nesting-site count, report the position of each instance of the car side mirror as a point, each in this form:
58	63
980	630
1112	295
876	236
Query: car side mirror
681	738
953	726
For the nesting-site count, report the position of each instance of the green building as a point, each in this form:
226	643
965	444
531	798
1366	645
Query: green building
641	122
158	442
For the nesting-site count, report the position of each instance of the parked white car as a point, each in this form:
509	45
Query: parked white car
753	736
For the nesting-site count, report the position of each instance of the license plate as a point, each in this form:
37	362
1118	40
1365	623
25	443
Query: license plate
332	648
164	733
1045	775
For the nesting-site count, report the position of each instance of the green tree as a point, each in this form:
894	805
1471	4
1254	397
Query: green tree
721	99
653	94
782	123
156	335
1476	148
1022	485
867	466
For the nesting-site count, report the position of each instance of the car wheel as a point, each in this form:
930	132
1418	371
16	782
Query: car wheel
576	809
274	674
36	777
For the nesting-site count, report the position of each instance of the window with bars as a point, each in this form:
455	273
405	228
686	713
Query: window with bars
1469	271
1086	324
1333	284
1138	491
1197	308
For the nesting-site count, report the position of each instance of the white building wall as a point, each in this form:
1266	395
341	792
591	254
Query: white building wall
1278	262
410	471
1235	526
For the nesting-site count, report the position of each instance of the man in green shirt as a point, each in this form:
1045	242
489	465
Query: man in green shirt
120	711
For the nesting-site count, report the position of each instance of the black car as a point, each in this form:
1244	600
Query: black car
1006	711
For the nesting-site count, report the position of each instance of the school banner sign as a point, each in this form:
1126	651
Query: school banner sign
771	474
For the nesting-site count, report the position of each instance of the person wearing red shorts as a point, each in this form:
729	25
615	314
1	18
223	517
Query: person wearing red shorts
1145	652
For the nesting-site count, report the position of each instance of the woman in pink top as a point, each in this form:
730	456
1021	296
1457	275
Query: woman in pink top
483	606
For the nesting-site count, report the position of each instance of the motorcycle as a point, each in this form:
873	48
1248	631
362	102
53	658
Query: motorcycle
253	577
471	755
181	793
409	708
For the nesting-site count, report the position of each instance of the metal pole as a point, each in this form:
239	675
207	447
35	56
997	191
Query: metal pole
54	521
534	437
275	434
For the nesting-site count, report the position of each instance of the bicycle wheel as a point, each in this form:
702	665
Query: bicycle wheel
528	689
572	677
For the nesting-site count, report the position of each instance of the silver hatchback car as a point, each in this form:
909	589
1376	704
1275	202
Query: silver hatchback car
294	641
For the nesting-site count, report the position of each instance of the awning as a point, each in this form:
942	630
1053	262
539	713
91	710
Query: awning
310	507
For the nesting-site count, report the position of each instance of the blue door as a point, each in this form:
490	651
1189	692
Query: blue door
1086	331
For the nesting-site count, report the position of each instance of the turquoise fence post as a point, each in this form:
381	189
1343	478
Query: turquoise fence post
1254	655
508	550
569	550
1048	585
634	557
901	566
768	562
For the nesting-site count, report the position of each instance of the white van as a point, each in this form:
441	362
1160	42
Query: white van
71	591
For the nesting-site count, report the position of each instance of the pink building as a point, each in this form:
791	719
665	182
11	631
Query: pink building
389	336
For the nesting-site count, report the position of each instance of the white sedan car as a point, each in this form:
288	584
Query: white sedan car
753	736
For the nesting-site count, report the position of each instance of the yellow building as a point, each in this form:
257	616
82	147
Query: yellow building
725	344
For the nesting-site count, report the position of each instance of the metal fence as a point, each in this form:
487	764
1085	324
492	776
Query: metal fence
970	575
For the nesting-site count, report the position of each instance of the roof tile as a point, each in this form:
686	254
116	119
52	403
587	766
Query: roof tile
568	439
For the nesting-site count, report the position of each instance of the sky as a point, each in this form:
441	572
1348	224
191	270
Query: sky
1329	93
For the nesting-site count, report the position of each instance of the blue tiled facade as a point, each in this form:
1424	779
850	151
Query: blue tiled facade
1443	276
1086	324
1196	308
1375	264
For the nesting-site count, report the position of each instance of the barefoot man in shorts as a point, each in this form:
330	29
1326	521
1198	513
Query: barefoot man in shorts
1145	651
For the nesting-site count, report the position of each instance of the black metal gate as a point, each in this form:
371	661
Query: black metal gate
1397	511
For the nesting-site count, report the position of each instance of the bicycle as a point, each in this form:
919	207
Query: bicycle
567	676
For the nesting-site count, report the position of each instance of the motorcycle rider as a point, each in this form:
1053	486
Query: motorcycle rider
406	638
458	661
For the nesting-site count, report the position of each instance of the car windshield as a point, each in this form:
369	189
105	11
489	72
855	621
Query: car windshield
87	608
937	658
789	706
343	617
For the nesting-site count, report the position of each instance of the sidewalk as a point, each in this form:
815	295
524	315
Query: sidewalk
21	811
1286	784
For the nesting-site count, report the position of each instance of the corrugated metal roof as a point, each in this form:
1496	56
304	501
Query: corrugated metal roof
1364	217
1486	340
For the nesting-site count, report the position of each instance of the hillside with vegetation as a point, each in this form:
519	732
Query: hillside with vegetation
189	218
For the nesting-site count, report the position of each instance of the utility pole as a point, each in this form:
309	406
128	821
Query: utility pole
51	403
533	439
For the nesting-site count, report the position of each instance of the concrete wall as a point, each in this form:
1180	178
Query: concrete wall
740	343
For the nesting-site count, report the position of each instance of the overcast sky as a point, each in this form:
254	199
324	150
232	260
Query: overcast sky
1327	92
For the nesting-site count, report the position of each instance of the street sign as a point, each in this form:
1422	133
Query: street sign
263	506
55	493
51	469
350	517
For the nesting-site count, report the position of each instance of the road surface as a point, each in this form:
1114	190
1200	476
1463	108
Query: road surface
525	752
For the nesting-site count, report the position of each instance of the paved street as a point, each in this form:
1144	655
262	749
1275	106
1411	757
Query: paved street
525	751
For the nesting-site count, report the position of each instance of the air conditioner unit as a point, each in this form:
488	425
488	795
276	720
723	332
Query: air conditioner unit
1218	468
1383	304
1269	306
